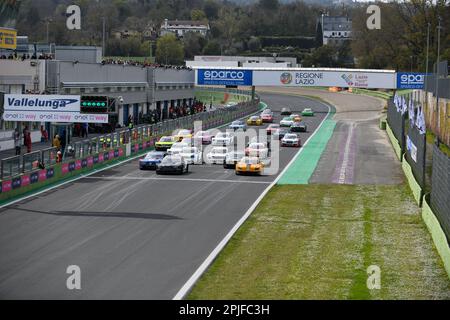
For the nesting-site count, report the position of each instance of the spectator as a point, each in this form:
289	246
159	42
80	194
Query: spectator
28	141
25	132
44	134
85	130
16	135
56	142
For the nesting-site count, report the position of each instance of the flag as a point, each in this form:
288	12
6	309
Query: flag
420	121
411	112
396	101
404	106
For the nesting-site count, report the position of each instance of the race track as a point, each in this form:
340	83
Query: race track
134	235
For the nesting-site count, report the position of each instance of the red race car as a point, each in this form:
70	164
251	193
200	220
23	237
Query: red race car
267	117
272	128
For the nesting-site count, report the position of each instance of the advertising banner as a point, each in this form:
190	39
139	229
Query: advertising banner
47	108
411	148
8	38
356	79
222	77
410	80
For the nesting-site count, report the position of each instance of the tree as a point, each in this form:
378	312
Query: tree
269	4
212	48
193	44
211	9
169	50
198	15
254	44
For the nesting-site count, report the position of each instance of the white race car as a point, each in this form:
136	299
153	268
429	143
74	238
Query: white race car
177	147
286	122
291	140
257	149
217	155
223	139
192	155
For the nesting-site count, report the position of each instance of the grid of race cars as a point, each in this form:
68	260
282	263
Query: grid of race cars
174	154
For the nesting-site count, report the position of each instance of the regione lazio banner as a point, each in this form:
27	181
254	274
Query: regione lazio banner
221	77
384	80
47	108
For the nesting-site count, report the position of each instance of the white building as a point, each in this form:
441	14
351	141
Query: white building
240	61
180	28
335	30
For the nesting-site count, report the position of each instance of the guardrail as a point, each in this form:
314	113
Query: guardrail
39	166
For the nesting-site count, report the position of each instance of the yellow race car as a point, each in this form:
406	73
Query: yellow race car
296	117
182	133
254	121
250	165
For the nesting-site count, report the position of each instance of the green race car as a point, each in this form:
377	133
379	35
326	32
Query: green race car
307	112
165	143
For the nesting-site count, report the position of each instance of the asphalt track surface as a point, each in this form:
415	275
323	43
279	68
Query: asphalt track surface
133	234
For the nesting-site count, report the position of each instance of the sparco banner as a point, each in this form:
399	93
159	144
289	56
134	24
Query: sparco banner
355	79
47	108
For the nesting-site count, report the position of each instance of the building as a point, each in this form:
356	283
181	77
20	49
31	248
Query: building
335	30
239	61
180	28
142	89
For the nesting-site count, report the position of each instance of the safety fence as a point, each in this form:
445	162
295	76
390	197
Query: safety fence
47	166
426	169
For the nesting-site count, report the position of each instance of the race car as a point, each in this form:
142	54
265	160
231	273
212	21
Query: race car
164	143
267	118
286	122
204	136
272	128
257	149
295	117
173	164
182	133
223	139
192	155
308	112
267	111
281	132
151	160
177	147
299	127
232	158
286	112
251	165
238	125
291	140
217	155
254	121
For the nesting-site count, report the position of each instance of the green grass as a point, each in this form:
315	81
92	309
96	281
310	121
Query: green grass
431	140
316	242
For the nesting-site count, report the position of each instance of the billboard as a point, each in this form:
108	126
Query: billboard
8	38
319	78
222	77
410	80
47	108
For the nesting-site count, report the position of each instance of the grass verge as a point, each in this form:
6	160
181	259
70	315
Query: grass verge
316	242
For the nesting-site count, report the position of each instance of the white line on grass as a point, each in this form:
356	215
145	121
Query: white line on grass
213	255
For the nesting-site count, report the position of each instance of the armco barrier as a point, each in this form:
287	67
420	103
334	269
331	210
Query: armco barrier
30	182
437	234
394	142
413	184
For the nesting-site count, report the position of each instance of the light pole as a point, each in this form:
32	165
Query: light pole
47	22
437	75
103	37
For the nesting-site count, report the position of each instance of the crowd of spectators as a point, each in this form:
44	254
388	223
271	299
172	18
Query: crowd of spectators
143	64
26	56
